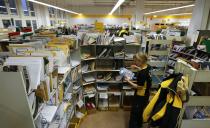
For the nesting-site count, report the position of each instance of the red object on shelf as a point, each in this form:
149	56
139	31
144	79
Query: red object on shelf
26	29
14	34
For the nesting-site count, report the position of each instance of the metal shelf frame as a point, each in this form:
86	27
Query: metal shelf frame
194	76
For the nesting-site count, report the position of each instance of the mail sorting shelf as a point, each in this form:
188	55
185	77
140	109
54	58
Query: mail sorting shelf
100	66
58	118
109	100
103	101
90	100
194	76
103	66
158	51
188	53
62	116
69	92
22	100
127	93
127	96
90	97
114	98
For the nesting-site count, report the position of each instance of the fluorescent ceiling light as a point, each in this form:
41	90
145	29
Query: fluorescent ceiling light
2	7
180	14
52	6
164	10
116	6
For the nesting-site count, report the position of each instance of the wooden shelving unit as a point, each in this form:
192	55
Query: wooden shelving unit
184	54
105	65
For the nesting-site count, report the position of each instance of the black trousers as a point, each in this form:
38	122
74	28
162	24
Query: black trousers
136	115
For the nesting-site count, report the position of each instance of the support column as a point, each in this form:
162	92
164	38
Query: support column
138	12
42	15
199	19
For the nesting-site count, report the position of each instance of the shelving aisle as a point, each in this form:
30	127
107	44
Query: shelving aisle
53	100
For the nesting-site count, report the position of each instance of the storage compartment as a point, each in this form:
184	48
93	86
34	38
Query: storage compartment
71	125
104	52
103	101
127	99
88	66
114	100
74	122
88	52
90	102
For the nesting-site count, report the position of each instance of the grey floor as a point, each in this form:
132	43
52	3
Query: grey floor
106	119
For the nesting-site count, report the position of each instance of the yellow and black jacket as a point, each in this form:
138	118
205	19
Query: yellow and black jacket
164	109
123	32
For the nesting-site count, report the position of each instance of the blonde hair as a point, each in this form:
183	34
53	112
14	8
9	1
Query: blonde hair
141	57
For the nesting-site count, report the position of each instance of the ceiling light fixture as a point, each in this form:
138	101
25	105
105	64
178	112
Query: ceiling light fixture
164	10
180	14
116	6
52	6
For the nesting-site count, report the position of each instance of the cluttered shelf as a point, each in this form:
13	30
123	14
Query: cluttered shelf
192	119
87	83
111	82
47	76
102	73
91	58
39	111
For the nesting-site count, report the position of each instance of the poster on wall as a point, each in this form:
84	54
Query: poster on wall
99	26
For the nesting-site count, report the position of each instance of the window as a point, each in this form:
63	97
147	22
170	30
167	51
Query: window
12	7
64	15
52	22
51	12
31	7
3	8
28	23
34	24
59	13
28	8
6	23
18	23
25	8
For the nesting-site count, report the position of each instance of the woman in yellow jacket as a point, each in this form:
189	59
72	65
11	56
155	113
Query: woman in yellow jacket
124	31
142	88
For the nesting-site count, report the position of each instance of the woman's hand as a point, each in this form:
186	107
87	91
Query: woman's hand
126	79
134	67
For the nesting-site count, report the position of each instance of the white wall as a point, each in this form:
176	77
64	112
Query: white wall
184	21
208	25
88	21
92	9
42	15
199	18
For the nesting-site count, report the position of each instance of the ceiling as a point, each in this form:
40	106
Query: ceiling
104	6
